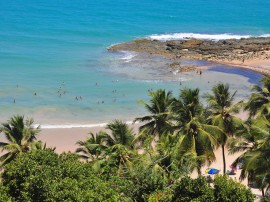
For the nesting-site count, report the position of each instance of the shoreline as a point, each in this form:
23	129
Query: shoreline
64	139
253	65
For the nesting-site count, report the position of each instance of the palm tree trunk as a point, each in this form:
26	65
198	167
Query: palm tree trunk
262	192
224	160
199	171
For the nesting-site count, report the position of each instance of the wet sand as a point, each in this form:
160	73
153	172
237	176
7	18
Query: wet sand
258	65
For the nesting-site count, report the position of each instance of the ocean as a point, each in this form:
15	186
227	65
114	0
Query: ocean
55	66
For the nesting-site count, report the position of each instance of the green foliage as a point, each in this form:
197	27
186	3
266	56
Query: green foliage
158	122
197	190
20	134
194	137
258	103
188	189
161	196
42	175
221	114
145	181
4	196
94	146
266	199
227	190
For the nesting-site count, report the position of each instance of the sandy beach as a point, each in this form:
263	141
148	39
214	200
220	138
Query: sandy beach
64	139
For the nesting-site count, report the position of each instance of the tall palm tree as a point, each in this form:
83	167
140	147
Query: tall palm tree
259	101
196	139
20	133
222	110
94	146
158	121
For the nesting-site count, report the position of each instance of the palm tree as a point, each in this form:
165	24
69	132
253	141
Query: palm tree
256	159
94	146
121	141
158	122
196	139
120	134
109	150
39	145
221	109
259	101
20	133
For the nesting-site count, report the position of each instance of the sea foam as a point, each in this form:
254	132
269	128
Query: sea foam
127	57
48	126
179	36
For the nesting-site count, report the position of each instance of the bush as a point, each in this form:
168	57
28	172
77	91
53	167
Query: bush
145	181
188	189
42	175
4	197
227	190
161	196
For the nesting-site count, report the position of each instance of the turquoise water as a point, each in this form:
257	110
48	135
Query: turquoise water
58	47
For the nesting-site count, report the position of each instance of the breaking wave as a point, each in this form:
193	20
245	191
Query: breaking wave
179	36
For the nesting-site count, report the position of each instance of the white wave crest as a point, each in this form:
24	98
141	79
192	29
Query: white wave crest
48	126
265	35
128	56
179	36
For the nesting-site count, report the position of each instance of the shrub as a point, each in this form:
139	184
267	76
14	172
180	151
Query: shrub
42	175
188	189
227	190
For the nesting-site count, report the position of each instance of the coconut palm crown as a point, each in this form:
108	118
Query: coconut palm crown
259	101
19	133
158	121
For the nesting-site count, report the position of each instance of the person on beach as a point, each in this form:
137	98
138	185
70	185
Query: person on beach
14	101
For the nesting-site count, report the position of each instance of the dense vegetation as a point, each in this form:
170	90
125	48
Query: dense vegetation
177	137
